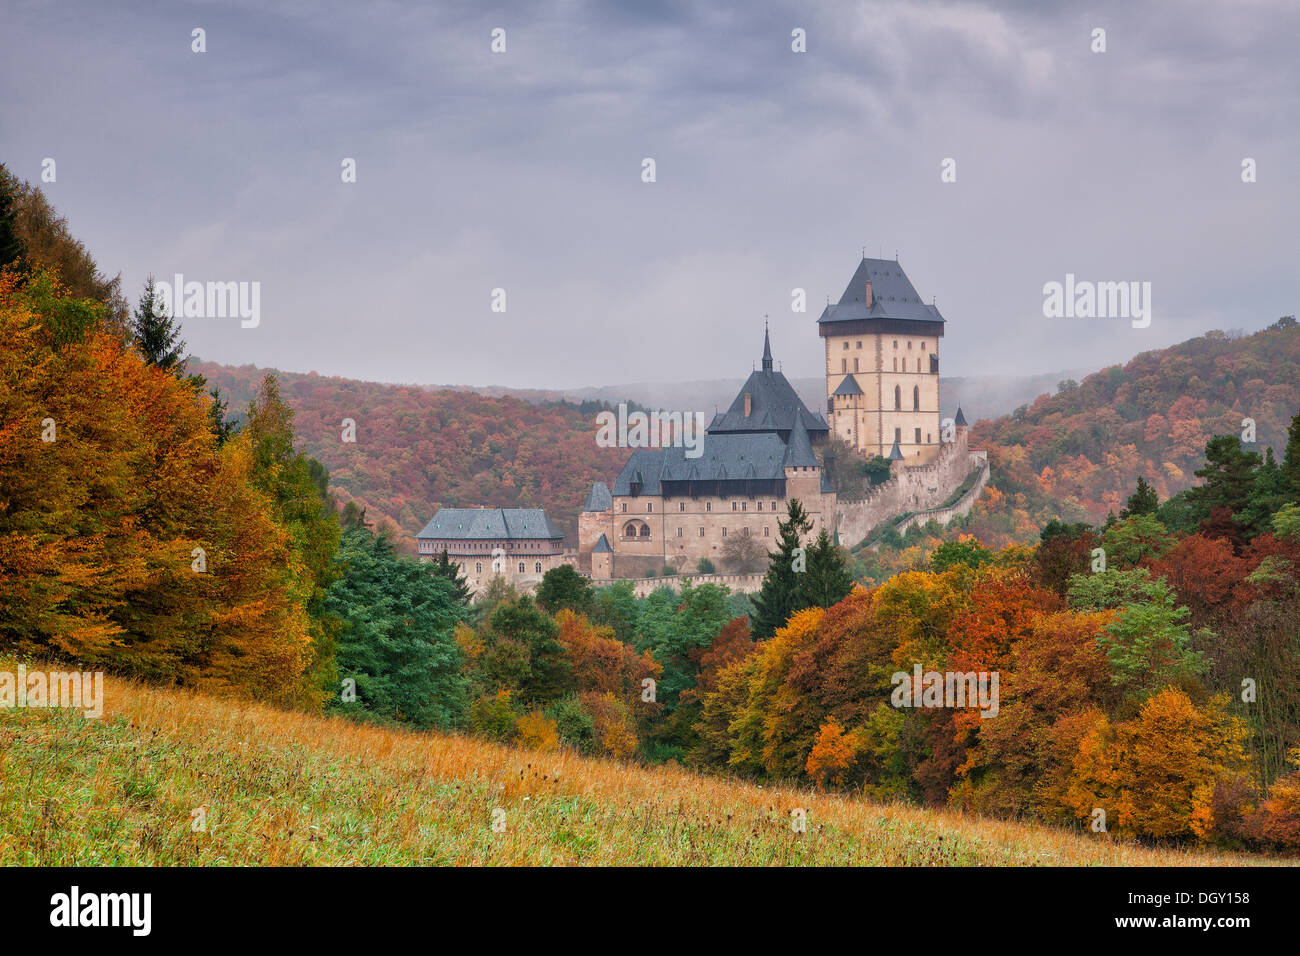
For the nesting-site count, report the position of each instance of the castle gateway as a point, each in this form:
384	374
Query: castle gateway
882	365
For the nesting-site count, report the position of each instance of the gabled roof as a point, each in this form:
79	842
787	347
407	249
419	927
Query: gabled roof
599	499
893	296
478	524
849	386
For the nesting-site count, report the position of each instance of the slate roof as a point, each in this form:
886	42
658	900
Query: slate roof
602	545
774	405
798	451
960	420
892	292
849	386
599	499
894	453
477	524
725	456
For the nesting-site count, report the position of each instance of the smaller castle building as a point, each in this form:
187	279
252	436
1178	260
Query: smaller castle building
519	544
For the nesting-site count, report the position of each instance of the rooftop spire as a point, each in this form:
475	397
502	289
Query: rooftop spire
767	349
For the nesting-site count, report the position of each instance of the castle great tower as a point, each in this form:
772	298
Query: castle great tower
882	365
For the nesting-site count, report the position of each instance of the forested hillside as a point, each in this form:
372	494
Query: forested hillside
418	449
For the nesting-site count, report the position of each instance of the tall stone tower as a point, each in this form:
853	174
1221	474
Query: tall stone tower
882	365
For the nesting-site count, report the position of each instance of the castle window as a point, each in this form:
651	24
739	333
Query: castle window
760	506
895	364
918	436
909	343
746	532
681	506
521	567
744	505
898	399
735	506
701	532
927	438
625	507
649	506
898	435
855	365
766	532
895	343
922	346
708	506
844	366
679	532
724	532
774	506
478	567
538	567
859	343
846	345
916	394
645	531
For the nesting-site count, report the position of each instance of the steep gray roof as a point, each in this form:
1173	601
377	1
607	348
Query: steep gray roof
479	524
725	456
892	292
894	453
798	452
774	405
848	387
599	499
960	420
602	544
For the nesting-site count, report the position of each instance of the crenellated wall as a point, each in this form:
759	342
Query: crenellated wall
913	488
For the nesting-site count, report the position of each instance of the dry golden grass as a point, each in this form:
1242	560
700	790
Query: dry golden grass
287	788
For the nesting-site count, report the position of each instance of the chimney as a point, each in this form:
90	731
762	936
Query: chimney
749	405
870	300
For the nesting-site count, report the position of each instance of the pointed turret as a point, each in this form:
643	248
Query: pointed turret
767	350
894	453
798	451
960	420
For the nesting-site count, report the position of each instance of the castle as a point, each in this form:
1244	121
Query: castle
670	510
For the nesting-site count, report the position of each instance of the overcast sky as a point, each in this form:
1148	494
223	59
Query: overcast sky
522	170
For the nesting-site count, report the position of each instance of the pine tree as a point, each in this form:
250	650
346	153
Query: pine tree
156	336
1144	501
780	595
827	580
1290	467
443	567
221	428
11	246
1228	477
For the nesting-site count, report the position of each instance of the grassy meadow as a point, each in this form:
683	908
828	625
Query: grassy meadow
282	788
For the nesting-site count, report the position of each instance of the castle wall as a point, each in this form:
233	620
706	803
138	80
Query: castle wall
913	488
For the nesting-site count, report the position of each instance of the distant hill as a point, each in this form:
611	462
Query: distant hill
418	449
1077	454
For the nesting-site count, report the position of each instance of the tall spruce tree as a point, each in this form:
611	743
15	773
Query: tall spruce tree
1144	501
781	594
11	246
827	580
1228	478
443	567
156	335
1290	466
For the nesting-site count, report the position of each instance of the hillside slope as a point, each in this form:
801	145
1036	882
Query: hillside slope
419	449
284	788
1077	455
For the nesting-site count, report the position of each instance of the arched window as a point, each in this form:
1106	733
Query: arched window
478	567
645	531
629	530
916	398
538	567
898	399
521	567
